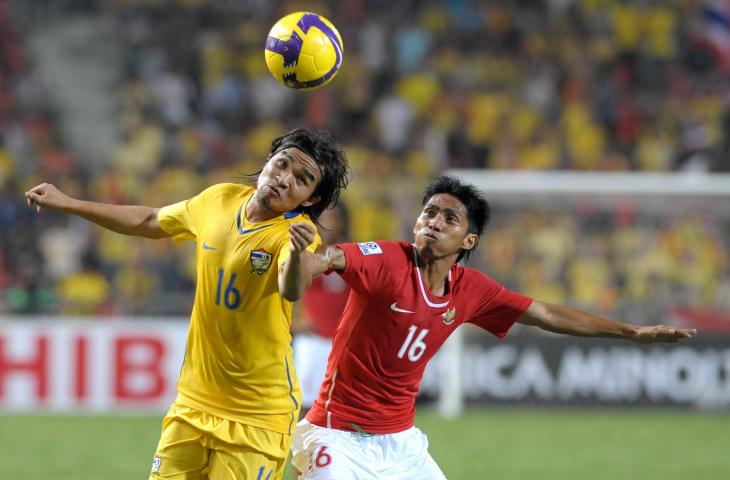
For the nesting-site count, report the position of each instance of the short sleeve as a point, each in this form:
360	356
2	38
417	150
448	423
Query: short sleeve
364	263
497	308
182	220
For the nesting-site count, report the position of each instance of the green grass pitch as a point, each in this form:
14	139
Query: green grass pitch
489	444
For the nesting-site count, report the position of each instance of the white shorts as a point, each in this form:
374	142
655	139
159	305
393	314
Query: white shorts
310	361
328	454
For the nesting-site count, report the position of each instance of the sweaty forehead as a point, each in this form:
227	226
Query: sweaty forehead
302	159
444	201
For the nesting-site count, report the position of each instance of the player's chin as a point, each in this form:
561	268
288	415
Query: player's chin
426	249
274	202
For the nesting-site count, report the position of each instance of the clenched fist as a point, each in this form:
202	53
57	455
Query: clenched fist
46	195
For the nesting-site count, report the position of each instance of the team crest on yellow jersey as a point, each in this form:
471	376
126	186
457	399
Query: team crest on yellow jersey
260	261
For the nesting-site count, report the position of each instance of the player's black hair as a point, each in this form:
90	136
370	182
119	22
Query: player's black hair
330	158
477	207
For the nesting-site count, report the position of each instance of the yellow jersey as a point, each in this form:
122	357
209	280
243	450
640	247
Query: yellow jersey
238	360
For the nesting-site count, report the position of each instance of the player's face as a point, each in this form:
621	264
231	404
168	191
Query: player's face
288	181
442	228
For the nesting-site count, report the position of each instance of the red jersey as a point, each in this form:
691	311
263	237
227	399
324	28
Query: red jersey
391	327
323	303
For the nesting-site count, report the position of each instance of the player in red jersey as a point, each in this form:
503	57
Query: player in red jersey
319	313
406	300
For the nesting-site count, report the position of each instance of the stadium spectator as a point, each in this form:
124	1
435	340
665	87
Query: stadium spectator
579	85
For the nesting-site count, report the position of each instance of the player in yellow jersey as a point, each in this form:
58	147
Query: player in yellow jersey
238	397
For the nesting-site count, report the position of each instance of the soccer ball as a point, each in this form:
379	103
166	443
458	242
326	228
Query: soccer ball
303	51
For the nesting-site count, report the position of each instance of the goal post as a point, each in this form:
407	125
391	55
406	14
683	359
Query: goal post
508	182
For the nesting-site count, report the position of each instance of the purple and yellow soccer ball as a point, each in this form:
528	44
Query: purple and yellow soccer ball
304	51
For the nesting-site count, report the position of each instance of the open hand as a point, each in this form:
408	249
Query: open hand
662	333
46	195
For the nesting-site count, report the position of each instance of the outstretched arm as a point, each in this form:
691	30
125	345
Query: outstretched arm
326	258
331	257
296	274
126	219
571	321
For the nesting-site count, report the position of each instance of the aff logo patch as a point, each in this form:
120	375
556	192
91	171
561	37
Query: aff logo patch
370	248
156	463
260	261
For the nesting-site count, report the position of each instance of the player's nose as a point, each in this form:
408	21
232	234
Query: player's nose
284	179
436	223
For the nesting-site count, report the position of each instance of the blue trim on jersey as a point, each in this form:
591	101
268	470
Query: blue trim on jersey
291	394
242	232
238	218
248	230
291	214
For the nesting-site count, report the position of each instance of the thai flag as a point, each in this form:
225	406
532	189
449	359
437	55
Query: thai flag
716	29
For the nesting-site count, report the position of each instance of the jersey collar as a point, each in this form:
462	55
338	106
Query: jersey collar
424	291
241	218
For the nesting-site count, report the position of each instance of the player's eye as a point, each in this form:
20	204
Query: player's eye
282	163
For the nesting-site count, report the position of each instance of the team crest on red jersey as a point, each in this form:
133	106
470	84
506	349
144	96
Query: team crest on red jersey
260	261
449	316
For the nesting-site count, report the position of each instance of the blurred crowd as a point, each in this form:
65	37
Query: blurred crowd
633	263
595	85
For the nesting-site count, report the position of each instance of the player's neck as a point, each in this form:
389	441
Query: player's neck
257	212
434	273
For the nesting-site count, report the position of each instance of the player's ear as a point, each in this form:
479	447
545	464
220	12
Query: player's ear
470	241
311	201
